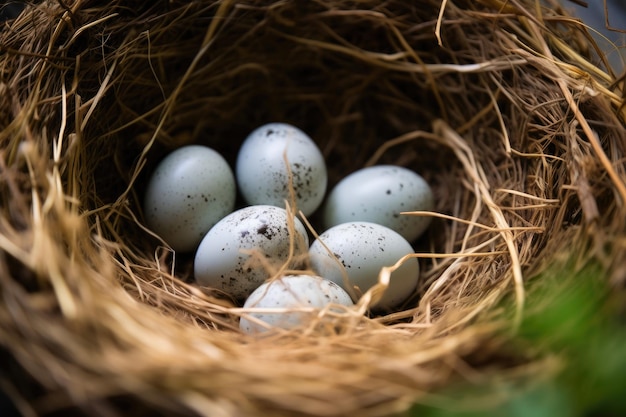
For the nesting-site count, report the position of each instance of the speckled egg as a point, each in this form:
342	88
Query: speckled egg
291	292
262	174
361	249
188	192
379	194
225	261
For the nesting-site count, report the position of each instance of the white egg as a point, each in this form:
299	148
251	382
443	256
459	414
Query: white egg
379	194
361	249
262	173
291	292
225	261
188	192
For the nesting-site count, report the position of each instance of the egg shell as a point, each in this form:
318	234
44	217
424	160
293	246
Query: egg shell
379	194
291	292
221	260
190	190
262	174
362	249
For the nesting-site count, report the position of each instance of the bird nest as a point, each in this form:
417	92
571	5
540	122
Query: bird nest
504	107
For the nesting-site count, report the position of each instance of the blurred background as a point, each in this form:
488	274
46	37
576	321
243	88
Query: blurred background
611	39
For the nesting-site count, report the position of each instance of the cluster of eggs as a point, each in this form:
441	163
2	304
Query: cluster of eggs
190	203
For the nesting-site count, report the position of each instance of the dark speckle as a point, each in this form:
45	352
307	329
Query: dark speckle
265	231
341	260
388	192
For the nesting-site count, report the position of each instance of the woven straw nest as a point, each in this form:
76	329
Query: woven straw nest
499	105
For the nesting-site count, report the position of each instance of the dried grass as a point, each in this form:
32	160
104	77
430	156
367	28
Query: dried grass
495	103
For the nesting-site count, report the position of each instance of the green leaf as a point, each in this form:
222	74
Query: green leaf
571	316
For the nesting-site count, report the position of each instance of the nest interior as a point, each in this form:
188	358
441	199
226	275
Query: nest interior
503	107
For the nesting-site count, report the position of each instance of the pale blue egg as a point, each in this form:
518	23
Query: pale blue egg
225	258
291	292
379	194
262	174
189	191
357	251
